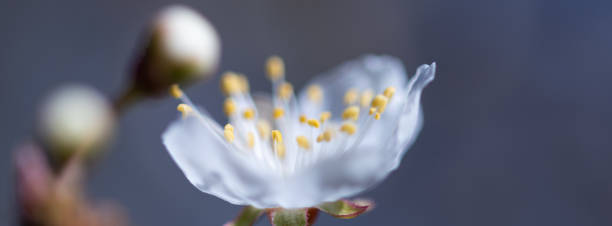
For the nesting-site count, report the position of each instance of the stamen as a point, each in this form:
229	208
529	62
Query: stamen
314	123
232	83
372	110
380	102
184	109
244	83
319	138
285	91
251	140
280	151
389	91
377	116
366	98
249	113
348	128
278	143
325	116
263	127
350	96
229	106
278	112
303	142
303	118
325	136
175	91
275	68
228	132
277	136
315	93
351	112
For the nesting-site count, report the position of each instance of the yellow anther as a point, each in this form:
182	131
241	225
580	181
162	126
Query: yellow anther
278	112
315	93
366	98
348	128
275	68
251	139
389	91
377	116
249	113
285	91
184	109
280	151
228	132
303	142
303	119
263	127
372	110
351	112
176	91
229	107
380	102
350	96
325	136
244	83
232	83
277	136
325	116
314	123
320	138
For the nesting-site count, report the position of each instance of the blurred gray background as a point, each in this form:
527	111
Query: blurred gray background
518	121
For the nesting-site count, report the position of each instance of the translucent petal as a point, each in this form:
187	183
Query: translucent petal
368	72
211	165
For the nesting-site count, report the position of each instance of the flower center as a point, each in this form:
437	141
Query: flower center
254	133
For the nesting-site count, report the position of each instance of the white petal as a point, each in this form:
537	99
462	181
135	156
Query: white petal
210	165
367	72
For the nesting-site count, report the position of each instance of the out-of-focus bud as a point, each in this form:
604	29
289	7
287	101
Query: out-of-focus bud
183	47
74	118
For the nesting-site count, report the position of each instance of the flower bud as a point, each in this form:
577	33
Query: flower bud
74	118
183	47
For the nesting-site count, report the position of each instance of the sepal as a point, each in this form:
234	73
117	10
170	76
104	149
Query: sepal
346	209
248	216
293	217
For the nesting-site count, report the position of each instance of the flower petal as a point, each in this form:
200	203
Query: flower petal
211	165
346	209
368	72
293	217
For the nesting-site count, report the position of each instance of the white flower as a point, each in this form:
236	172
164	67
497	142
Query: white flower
325	147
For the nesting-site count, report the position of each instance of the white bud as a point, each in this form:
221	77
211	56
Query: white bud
75	117
188	39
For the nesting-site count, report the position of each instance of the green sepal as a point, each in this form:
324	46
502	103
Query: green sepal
248	216
293	217
346	209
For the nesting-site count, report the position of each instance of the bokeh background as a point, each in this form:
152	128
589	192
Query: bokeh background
518	121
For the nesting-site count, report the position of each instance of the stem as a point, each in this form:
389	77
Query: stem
125	100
